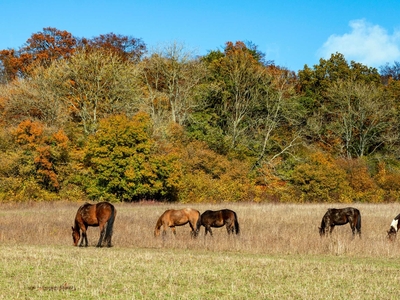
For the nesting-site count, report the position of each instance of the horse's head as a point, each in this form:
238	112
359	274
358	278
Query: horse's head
156	232
321	231
75	236
391	233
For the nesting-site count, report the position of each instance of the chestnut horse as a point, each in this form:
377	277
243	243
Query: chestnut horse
394	227
341	217
171	218
100	215
220	218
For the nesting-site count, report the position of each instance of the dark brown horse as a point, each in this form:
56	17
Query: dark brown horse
100	215
341	216
394	227
171	218
220	218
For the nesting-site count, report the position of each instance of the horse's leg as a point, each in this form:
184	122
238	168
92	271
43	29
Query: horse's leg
353	228
108	239
353	225
209	230
173	230
331	229
109	242
84	237
205	230
102	233
164	230
230	227
193	232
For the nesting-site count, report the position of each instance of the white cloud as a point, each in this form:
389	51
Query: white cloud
368	44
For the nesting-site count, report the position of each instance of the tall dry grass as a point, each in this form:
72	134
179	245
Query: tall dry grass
265	228
278	255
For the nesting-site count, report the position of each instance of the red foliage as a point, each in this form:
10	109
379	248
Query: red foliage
128	48
41	48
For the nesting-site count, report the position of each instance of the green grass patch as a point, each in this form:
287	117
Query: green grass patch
34	272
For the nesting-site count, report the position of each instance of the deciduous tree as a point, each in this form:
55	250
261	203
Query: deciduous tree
126	164
170	76
96	85
127	47
362	117
40	49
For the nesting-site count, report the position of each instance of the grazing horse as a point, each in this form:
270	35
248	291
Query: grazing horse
220	218
171	218
100	215
341	217
394	227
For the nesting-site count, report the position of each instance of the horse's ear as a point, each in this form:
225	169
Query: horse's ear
72	228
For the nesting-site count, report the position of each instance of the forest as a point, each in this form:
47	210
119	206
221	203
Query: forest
105	118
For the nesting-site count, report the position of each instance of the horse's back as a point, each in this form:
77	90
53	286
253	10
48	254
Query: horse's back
340	216
179	216
209	215
217	218
227	213
104	210
92	214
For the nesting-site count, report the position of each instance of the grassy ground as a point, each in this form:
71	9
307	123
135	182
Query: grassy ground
279	255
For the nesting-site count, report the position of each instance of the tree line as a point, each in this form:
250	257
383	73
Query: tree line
107	119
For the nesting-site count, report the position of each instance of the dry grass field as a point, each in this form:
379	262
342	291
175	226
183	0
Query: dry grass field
278	255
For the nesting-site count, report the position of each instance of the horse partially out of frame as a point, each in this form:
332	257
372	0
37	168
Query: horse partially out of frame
341	216
394	228
100	215
171	218
220	218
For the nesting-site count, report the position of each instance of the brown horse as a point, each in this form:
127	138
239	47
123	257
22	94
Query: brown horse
394	228
220	218
341	217
96	215
171	218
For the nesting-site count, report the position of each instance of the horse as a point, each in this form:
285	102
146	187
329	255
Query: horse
394	227
171	218
220	218
100	215
341	217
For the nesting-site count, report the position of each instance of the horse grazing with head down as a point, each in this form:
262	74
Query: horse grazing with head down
171	218
100	215
341	216
394	227
220	218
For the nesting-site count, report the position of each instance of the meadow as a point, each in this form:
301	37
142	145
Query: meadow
278	255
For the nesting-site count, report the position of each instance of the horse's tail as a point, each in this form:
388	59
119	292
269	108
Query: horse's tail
358	225
237	228
198	224
110	223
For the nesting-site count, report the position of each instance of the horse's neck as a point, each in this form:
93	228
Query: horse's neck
76	225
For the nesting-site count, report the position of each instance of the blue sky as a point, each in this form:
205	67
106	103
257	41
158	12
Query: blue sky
292	33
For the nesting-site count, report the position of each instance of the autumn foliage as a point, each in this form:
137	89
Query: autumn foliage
97	118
